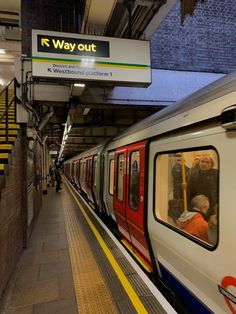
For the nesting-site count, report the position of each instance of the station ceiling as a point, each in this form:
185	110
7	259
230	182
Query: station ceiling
93	119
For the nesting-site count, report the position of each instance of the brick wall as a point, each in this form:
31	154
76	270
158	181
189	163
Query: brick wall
14	227
206	41
53	15
11	226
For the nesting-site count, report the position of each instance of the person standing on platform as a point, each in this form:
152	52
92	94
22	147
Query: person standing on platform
58	179
51	173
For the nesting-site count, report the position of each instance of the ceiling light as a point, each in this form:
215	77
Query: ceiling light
86	111
2	51
69	127
79	85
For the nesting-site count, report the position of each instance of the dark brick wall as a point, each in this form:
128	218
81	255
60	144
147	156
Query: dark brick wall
11	226
14	229
52	15
206	41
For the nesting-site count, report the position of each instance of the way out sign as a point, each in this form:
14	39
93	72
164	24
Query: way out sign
82	57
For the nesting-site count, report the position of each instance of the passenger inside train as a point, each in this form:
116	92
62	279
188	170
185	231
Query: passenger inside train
189	180
193	221
204	181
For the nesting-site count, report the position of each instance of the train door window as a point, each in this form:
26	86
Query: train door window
95	171
84	169
134	180
81	169
120	177
111	177
90	170
87	170
186	193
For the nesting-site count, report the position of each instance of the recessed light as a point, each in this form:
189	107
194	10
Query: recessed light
79	85
2	51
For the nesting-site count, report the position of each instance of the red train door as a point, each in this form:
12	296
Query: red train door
120	192
130	211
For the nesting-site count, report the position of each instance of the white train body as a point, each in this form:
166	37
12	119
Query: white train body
201	273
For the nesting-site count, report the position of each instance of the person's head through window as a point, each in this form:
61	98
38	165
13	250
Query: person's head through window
197	161
200	203
206	163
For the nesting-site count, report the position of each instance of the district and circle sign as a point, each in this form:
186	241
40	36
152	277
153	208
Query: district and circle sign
75	56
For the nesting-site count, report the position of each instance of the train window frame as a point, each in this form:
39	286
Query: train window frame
81	169
117	177
84	170
111	186
95	163
89	170
129	180
208	246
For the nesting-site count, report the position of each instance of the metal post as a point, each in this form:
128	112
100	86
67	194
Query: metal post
15	97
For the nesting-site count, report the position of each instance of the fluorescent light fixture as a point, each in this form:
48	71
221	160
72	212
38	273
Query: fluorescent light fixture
1	82
66	137
2	51
87	63
79	85
86	111
69	127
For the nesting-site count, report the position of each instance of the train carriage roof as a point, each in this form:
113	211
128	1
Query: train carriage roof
179	114
197	107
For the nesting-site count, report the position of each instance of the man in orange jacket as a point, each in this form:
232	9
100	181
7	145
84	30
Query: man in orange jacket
193	221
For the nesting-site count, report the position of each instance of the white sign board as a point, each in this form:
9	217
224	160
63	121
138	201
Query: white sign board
83	57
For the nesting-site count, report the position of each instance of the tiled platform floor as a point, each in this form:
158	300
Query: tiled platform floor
64	270
43	282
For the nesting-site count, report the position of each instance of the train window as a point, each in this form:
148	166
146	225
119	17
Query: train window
84	169
90	170
120	177
134	180
186	193
111	177
81	169
95	171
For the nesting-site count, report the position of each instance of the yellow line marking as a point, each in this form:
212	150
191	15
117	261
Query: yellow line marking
125	283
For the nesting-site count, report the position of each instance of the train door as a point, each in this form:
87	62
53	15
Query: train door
119	192
129	199
110	184
88	178
77	173
95	184
82	174
135	201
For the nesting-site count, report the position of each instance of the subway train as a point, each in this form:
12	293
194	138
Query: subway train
145	182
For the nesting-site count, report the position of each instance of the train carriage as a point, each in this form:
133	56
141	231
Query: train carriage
156	172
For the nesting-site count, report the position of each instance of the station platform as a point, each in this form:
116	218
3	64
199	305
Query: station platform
73	264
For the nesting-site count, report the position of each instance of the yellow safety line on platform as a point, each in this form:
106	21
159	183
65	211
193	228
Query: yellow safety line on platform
91	291
125	283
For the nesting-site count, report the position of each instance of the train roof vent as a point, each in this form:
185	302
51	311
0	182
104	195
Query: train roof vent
228	118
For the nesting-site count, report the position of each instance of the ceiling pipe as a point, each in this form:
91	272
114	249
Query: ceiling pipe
129	4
